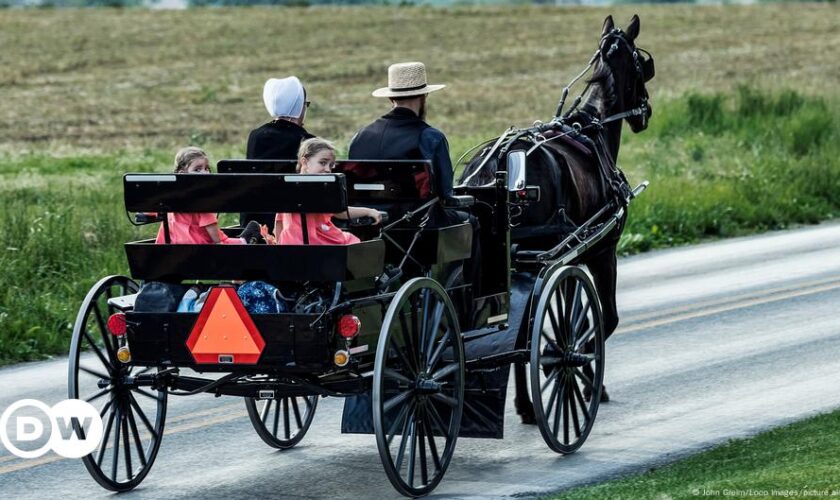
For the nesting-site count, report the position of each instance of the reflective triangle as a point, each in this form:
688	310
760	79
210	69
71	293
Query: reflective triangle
224	328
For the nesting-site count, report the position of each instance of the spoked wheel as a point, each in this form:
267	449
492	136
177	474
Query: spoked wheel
567	359
282	422
418	387
132	414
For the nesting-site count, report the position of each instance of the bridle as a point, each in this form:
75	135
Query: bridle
644	69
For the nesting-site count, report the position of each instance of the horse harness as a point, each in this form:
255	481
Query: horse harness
611	176
613	181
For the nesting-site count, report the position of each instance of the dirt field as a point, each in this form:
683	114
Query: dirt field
106	80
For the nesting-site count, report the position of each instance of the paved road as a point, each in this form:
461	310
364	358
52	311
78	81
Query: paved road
717	341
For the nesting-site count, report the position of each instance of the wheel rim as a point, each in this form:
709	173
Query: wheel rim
418	387
133	416
282	422
567	359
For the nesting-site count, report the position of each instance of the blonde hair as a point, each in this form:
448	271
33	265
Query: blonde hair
187	155
311	147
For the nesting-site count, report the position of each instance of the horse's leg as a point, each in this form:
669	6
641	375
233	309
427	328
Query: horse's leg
603	267
522	401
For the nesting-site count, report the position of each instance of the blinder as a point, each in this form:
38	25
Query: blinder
642	58
646	64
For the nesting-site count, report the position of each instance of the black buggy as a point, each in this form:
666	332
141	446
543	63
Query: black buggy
397	324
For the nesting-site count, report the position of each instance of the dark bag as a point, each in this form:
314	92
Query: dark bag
156	296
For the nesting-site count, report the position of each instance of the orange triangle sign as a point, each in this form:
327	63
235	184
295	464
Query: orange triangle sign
224	331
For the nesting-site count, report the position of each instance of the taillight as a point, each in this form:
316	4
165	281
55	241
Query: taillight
116	324
349	326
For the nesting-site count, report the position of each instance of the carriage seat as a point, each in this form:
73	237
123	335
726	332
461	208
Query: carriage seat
394	187
234	193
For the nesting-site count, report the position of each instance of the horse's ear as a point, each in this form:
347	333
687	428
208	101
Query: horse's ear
633	28
609	25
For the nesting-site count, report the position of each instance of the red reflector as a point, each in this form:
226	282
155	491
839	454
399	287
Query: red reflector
116	324
349	326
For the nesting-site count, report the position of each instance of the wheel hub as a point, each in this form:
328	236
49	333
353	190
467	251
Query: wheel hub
576	359
427	386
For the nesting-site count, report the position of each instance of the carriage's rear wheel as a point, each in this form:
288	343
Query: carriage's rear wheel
133	416
418	387
282	422
567	359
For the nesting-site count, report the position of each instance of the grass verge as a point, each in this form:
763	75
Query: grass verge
726	164
799	460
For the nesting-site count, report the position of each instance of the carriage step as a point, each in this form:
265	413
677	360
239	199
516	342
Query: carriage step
124	302
494	360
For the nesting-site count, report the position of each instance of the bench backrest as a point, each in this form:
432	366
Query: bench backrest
230	193
256	166
377	181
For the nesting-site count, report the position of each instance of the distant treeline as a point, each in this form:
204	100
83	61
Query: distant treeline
306	3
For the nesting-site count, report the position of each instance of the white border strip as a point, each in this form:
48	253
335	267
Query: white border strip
369	187
150	178
496	319
310	178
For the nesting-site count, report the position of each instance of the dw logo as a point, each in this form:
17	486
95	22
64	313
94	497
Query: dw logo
61	420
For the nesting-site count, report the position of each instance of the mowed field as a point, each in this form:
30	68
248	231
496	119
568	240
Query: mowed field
105	80
745	134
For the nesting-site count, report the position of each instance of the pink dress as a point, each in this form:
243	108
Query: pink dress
320	227
190	228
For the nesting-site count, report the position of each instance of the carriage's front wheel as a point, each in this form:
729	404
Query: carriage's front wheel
281	423
567	359
133	414
418	387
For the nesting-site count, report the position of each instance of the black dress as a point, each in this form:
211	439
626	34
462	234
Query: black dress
277	140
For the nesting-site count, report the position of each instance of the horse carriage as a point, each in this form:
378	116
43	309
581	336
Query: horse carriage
412	325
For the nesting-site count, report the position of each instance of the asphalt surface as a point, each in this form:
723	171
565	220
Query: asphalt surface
717	341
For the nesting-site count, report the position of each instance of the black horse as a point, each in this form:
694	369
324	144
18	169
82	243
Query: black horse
579	177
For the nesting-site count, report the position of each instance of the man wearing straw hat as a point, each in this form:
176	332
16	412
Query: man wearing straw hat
402	134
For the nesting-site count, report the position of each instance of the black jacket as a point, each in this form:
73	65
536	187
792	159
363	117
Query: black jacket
277	140
402	135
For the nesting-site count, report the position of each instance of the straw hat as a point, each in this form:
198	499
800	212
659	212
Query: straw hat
406	80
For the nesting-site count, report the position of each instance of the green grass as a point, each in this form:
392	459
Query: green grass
64	224
799	458
726	164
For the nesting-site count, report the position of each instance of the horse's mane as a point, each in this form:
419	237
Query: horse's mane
604	79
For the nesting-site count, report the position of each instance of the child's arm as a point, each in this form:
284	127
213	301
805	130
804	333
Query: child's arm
278	226
356	212
218	236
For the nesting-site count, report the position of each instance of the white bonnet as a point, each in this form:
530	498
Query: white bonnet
284	97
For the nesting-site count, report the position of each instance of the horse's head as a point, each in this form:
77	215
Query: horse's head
629	67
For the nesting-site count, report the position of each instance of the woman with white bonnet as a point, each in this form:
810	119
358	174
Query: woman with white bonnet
285	100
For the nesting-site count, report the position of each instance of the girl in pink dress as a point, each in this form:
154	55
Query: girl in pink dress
317	156
195	228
